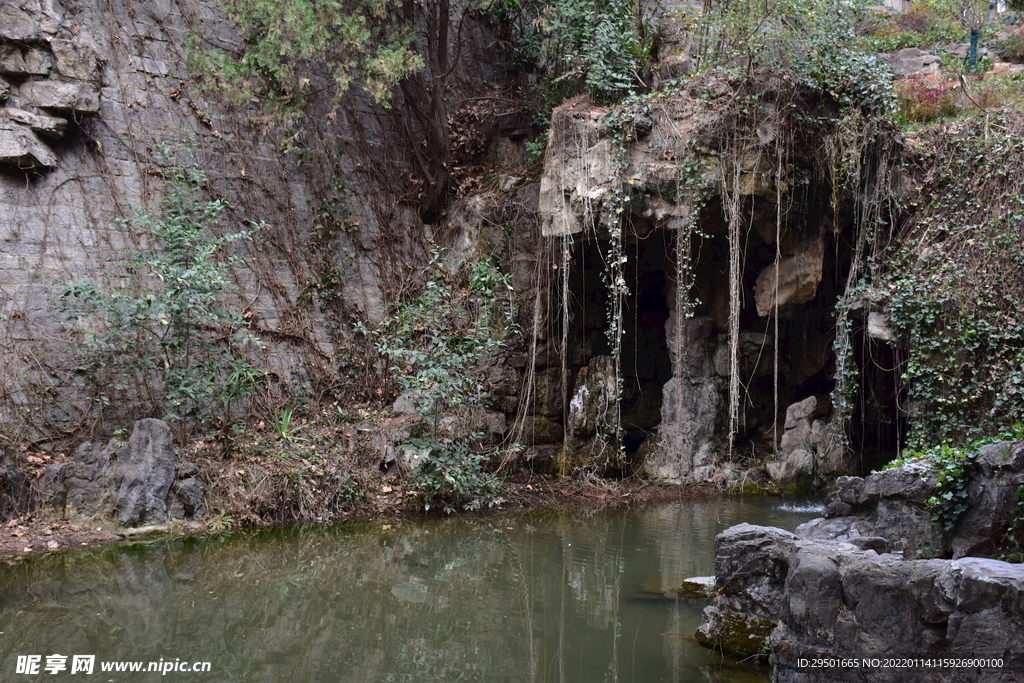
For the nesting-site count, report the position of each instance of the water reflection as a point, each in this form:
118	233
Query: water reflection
539	597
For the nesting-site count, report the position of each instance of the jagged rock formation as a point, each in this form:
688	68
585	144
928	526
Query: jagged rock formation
666	181
817	599
891	506
137	484
90	91
851	584
44	81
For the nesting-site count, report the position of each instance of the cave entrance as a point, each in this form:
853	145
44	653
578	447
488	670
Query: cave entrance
644	363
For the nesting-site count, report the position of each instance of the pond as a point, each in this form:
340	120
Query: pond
549	596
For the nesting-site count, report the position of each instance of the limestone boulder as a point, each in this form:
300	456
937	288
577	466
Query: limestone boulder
138	484
77	97
888	607
1002	70
188	499
751	564
48	126
146	469
791	280
675	66
594	398
20	148
806	410
5	89
824	598
992	499
892	505
797	437
795	473
912	61
687	439
889	505
880	327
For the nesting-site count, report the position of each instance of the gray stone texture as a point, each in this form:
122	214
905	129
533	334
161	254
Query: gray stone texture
832	599
12	61
851	584
51	127
62	224
806	455
77	97
891	505
912	61
145	472
29	20
75	60
137	484
20	148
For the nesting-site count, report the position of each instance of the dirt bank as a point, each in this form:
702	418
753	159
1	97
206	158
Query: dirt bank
44	531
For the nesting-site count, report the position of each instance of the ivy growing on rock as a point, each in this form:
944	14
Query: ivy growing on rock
955	287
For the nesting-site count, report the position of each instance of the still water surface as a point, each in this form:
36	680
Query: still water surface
552	596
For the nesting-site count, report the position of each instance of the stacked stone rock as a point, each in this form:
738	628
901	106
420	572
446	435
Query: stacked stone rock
44	80
852	584
802	446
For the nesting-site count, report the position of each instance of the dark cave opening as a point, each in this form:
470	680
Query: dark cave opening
644	357
806	329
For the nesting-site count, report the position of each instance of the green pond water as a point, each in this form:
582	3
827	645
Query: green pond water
531	597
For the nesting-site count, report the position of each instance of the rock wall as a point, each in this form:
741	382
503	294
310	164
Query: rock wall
891	507
663	175
59	203
90	89
818	600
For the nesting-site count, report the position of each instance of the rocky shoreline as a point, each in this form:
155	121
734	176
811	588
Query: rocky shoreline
847	597
156	489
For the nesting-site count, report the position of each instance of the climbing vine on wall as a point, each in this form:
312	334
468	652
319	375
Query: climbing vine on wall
956	287
370	40
162	335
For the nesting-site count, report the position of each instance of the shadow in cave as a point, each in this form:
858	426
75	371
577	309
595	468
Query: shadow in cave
644	360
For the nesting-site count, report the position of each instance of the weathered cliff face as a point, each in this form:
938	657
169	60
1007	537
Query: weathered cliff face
60	196
672	342
89	91
666	216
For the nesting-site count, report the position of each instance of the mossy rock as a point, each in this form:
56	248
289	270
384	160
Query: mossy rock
734	633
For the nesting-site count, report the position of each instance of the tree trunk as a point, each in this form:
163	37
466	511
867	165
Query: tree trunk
425	94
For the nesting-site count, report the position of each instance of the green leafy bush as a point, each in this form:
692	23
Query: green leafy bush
576	46
924	24
366	39
436	342
802	42
450	474
161	334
